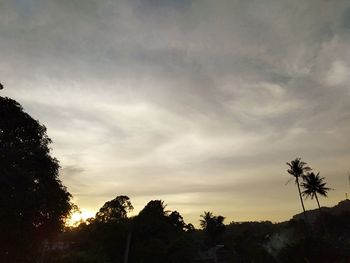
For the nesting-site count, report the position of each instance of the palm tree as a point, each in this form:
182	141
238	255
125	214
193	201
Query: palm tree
297	169
207	217
212	225
314	184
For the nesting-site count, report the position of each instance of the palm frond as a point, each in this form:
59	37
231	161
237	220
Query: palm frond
314	184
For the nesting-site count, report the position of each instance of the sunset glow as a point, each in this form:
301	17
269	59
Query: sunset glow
79	216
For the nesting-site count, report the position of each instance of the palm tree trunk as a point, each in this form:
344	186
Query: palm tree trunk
301	199
318	203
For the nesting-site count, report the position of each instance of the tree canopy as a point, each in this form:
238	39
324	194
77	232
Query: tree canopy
33	201
115	209
212	225
314	184
297	168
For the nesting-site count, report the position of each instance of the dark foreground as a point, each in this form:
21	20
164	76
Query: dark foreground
155	236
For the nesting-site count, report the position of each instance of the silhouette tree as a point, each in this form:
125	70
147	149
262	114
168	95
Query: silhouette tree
314	184
33	201
177	220
152	220
206	219
297	169
212	225
115	209
154	208
153	231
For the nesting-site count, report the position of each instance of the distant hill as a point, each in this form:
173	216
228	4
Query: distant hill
312	215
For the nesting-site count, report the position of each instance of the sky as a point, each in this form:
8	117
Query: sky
199	103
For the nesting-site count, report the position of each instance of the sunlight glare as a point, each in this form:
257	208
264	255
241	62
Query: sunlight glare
79	216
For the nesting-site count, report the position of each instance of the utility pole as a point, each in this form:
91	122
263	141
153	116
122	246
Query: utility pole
346	194
127	248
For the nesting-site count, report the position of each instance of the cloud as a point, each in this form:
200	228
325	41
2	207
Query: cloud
180	92
72	170
338	74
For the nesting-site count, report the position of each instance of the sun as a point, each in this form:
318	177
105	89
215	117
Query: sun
79	216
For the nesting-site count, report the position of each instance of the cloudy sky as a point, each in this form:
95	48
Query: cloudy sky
196	102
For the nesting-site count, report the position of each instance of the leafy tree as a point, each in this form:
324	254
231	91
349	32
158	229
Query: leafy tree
115	209
152	221
314	184
189	228
177	220
206	218
297	169
154	208
159	235
212	225
33	201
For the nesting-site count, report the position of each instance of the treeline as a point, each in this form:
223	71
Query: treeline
156	235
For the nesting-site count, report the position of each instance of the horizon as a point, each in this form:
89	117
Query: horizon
196	103
81	216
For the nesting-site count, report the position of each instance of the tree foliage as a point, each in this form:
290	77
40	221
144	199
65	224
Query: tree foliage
212	225
314	184
154	208
33	201
159	235
115	209
297	169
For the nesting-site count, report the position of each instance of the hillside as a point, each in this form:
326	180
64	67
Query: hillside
312	215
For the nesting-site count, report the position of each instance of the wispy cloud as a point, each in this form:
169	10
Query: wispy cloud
170	98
